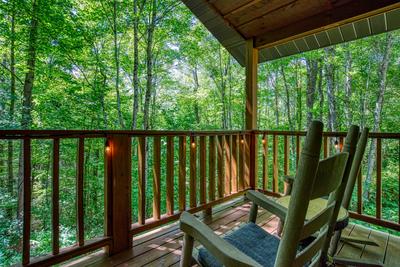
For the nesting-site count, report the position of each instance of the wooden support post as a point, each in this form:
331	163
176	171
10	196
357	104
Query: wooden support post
157	178
118	157
251	109
182	173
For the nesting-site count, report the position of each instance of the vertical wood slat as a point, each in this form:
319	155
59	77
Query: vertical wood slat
378	178
170	175
227	150
27	202
193	172
341	142
202	166
399	177
265	162
326	147
182	173
79	192
157	177
220	166
359	191
141	180
253	164
275	164
247	141
56	198
241	163
234	163
211	168
286	155
297	150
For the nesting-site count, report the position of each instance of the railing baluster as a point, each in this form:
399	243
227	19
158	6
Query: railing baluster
275	164
227	183
142	180
182	173
297	150
220	162
202	166
170	175
341	142
247	154
157	177
234	163
378	178
265	162
193	172
211	168
56	197
27	202
241	162
286	155
359	191
79	192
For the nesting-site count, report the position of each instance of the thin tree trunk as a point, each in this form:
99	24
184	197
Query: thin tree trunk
117	64
196	88
299	98
288	112
149	64
320	92
347	87
135	64
382	74
330	88
312	73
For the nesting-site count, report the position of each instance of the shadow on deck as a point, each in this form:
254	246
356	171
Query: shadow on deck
162	246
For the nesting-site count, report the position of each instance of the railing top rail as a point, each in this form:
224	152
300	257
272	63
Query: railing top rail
51	134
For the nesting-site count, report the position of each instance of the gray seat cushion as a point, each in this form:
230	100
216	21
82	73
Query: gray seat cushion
251	240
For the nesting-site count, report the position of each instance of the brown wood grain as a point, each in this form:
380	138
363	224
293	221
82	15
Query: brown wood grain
79	193
26	236
241	162
141	180
286	155
220	166
378	178
182	173
170	175
275	164
56	198
326	146
264	142
193	172
227	157
211	168
157	177
202	171
234	163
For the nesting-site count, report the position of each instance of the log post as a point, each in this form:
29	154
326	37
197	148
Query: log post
118	155
251	109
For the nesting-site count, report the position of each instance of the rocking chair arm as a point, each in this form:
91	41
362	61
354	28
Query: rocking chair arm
263	201
225	252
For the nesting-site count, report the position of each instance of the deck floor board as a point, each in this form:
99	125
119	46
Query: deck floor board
162	246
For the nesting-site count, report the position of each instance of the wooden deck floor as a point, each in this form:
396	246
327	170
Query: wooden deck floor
162	247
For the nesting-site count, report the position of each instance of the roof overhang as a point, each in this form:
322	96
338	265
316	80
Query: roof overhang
282	28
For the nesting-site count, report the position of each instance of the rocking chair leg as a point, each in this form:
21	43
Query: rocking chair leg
253	213
188	243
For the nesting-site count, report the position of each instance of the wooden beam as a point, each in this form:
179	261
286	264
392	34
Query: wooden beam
340	15
118	158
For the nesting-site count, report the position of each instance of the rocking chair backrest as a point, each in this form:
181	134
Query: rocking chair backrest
295	228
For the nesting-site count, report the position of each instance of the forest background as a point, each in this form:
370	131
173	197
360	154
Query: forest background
150	64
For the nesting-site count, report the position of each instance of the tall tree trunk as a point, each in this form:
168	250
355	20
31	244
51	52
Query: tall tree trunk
117	64
321	92
288	112
149	64
196	88
135	108
330	88
312	73
222	73
10	145
26	121
276	95
382	75
347	86
299	97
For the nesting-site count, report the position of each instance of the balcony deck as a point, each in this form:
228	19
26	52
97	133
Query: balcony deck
162	246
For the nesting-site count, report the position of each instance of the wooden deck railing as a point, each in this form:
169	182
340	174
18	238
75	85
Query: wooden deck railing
201	169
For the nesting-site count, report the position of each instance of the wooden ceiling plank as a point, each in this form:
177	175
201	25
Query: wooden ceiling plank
344	14
240	8
226	6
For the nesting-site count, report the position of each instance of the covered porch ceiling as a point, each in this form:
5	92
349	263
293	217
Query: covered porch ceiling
281	28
